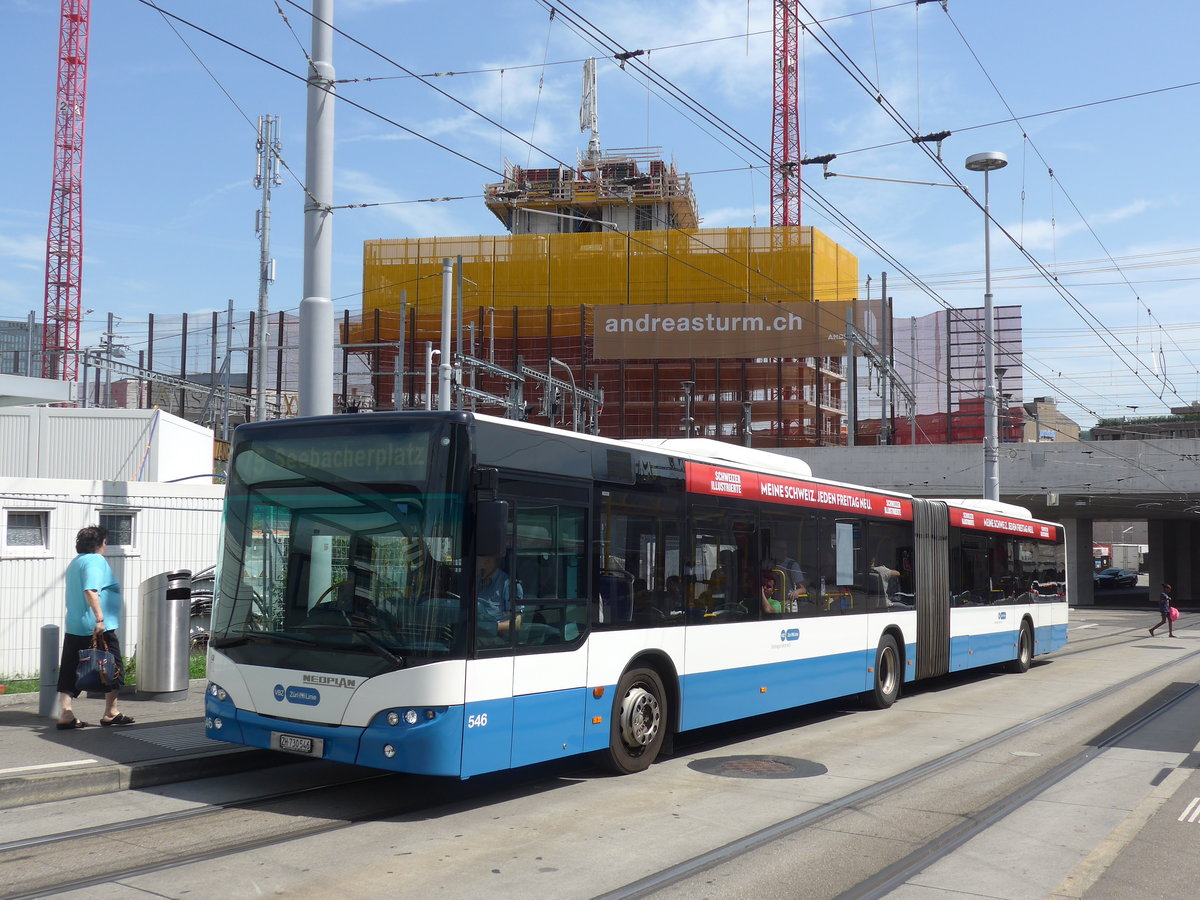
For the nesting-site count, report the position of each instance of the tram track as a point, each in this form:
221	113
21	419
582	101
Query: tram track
887	880
146	845
898	871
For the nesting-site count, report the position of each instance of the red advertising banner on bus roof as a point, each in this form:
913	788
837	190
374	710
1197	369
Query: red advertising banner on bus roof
985	521
718	481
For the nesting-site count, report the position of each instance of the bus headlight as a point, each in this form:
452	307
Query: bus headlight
218	724
389	751
393	718
410	716
217	691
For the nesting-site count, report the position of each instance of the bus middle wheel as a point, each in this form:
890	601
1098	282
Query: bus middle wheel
888	675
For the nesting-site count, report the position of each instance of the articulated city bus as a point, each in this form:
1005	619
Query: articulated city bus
449	593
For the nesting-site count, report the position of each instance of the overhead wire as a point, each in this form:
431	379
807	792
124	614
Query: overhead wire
597	37
662	83
162	12
830	44
228	96
557	10
358	105
283	69
1061	187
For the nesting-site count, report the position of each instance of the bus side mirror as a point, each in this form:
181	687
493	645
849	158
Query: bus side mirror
491	527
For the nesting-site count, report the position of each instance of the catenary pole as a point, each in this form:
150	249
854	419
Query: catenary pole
445	361
986	163
316	309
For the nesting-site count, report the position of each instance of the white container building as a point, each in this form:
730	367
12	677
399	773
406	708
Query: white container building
144	474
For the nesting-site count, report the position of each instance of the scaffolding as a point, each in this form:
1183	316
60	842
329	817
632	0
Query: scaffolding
656	194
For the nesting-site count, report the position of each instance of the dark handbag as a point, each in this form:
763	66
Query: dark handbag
98	670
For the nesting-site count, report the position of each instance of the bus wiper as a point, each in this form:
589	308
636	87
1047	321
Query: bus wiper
260	637
367	638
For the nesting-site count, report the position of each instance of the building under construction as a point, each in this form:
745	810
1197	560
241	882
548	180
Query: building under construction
683	330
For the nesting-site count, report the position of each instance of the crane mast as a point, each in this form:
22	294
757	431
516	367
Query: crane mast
785	124
64	238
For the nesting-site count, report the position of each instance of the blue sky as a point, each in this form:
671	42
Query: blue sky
169	207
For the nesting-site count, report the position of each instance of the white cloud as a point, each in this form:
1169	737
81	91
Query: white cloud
29	249
734	217
411	219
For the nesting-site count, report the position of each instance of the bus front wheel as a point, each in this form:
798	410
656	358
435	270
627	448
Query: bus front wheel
638	722
887	675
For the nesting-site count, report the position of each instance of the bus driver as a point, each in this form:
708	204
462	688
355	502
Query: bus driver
493	594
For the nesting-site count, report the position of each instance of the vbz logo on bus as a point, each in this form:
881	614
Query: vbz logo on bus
789	634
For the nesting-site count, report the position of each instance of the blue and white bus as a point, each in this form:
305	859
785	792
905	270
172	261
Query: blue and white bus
448	593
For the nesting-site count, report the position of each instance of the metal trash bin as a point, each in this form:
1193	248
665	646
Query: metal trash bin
162	648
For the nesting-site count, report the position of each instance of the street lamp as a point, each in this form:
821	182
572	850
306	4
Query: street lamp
986	163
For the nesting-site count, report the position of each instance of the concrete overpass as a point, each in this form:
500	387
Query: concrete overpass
1072	483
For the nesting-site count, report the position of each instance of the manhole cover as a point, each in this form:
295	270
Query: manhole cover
758	767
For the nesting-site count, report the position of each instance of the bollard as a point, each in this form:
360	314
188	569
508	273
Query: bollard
48	682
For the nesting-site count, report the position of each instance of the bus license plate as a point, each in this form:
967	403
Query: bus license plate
296	743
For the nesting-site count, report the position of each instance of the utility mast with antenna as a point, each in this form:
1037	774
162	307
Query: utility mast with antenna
64	237
266	176
785	124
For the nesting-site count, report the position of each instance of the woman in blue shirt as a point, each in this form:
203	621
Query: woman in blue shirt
93	601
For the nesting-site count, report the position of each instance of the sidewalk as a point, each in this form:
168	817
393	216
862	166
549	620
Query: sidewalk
39	763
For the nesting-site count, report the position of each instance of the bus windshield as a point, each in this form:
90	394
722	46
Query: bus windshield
343	552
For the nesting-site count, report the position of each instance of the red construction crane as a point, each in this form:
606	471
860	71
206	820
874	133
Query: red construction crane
785	122
64	238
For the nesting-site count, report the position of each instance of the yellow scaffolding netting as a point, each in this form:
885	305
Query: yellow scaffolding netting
711	265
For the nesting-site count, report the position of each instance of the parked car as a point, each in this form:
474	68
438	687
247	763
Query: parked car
1114	578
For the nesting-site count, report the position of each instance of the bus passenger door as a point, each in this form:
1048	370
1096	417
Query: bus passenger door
550	551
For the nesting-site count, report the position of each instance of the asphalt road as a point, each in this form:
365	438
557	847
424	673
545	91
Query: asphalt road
1071	780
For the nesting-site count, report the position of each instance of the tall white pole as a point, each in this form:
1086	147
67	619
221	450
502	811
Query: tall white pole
446	360
986	162
429	352
316	309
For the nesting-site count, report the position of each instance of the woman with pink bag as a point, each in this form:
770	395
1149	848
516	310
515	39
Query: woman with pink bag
1168	612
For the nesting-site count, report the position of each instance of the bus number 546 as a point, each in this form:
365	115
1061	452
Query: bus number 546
478	721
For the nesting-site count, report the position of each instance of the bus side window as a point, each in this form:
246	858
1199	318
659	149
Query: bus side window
637	558
549	544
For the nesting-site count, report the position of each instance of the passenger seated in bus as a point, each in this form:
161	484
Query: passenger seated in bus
782	562
713	597
672	600
493	596
769	594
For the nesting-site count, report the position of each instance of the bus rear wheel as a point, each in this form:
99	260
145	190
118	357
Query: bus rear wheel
638	722
1024	651
887	675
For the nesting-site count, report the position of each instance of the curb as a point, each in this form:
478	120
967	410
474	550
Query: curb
129	690
46	787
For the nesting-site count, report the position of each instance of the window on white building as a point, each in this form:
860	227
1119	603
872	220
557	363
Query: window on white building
121	529
26	530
